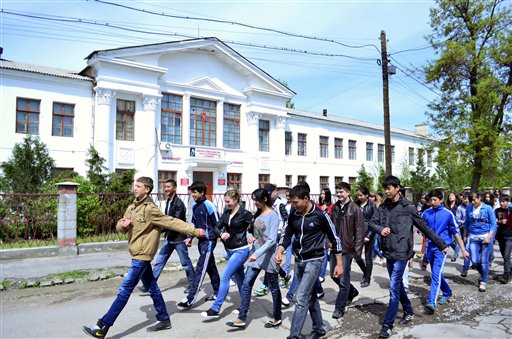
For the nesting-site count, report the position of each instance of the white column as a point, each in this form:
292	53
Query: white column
251	148
104	125
147	144
277	151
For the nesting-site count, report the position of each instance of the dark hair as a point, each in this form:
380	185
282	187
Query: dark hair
269	188
304	184
328	196
198	186
343	186
474	195
262	195
363	190
172	182
437	194
391	180
147	182
504	197
299	191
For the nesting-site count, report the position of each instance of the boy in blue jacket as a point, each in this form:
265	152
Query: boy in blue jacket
442	221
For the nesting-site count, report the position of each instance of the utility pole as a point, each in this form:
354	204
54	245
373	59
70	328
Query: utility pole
385	91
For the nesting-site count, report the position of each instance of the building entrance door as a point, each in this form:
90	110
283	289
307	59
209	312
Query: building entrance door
207	179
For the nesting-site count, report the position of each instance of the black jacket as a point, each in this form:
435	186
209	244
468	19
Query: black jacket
400	217
310	231
237	228
368	211
175	208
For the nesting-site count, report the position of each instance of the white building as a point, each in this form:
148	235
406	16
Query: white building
189	110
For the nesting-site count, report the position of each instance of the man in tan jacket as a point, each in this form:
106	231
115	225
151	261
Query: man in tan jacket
142	221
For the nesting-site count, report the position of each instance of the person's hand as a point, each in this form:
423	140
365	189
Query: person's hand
487	239
126	223
366	240
252	258
278	258
188	242
338	271
225	236
465	254
250	239
202	233
445	250
386	231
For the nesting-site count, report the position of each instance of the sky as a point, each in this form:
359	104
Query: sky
328	52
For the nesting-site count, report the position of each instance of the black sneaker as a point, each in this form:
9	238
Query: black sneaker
351	297
385	332
316	334
406	318
210	314
210	298
97	331
159	326
338	314
464	272
184	304
142	289
365	284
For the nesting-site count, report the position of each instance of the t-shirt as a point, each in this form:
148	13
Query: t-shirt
265	245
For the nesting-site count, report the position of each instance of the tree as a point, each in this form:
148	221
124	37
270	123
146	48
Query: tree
364	179
472	116
28	169
96	169
421	180
289	102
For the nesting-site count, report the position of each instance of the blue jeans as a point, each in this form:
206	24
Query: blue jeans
323	271
165	254
307	273
295	283
138	270
397	292
289	255
234	268
438	282
273	284
480	255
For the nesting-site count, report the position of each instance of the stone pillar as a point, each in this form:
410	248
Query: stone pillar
67	217
505	190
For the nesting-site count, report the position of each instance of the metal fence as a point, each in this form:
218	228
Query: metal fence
30	220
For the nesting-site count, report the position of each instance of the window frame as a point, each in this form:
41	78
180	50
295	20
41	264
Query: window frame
263	178
338	148
28	112
206	120
235	179
324	182
369	151
264	135
288	143
125	124
62	114
324	146
173	113
352	150
302	144
163	176
231	126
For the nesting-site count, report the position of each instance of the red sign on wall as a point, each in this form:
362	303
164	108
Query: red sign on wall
221	182
184	181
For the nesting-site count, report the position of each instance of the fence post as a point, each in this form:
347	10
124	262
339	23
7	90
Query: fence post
66	217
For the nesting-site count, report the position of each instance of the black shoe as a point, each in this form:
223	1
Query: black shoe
385	332
504	279
454	259
316	334
464	272
351	297
184	304
159	326
210	298
97	331
365	284
320	295
186	290
142	289
406	318
338	314
210	314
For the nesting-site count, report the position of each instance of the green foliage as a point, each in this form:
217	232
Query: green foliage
380	179
28	169
363	179
421	180
472	117
96	169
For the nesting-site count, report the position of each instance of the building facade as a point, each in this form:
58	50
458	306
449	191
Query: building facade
189	110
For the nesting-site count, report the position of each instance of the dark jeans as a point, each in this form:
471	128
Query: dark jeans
138	270
366	266
505	244
251	274
347	290
205	264
397	293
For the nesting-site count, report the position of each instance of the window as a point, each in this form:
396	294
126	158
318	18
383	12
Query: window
163	176
324	147
352	150
301	178
380	152
235	179
392	153
232	126
302	144
324	182
27	115
62	122
264	129
337	180
171	115
125	120
411	156
369	151
338	148
263	179
203	115
352	180
421	153
429	159
287	143
288	180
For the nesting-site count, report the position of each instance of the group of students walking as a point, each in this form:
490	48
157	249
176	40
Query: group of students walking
329	233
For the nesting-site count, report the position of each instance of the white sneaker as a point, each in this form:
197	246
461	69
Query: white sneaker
236	311
285	302
232	283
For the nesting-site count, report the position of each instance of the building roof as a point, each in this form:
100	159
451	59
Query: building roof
353	122
58	72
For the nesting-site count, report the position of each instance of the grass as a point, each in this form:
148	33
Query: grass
71	275
54	242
